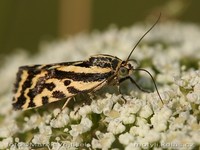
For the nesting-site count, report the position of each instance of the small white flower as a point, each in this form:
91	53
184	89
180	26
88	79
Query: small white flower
189	79
194	97
146	112
32	122
84	126
160	119
44	129
16	139
83	111
41	139
55	145
173	92
44	135
102	105
196	136
104	141
56	112
128	119
135	106
194	77
74	115
141	121
143	143
179	122
117	106
87	123
115	126
139	131
127	114
61	121
115	98
66	130
167	65
47	118
177	140
57	138
133	146
76	130
8	128
5	106
191	120
23	145
197	88
5	143
126	138
152	136
113	114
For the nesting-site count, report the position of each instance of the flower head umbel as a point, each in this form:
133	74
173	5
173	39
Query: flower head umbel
108	122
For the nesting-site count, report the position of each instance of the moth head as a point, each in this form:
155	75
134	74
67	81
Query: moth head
125	70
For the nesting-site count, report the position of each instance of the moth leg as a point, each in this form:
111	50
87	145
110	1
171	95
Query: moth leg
119	90
79	108
88	100
91	96
65	104
133	81
140	88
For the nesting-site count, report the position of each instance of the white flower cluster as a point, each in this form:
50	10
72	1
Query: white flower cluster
172	53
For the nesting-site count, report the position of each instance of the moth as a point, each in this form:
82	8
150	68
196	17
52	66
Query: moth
38	85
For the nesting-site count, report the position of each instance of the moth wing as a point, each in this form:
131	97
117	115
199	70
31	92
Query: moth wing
30	81
41	84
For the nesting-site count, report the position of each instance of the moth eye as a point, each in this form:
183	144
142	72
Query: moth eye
123	72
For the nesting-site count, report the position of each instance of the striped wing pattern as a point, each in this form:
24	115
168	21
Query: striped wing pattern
38	85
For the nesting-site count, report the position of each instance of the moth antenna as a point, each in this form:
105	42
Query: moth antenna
142	38
140	69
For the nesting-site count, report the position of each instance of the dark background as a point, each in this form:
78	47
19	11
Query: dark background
24	24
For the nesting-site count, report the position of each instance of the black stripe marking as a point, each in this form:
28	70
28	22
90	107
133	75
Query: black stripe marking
58	94
85	64
40	86
45	100
50	86
85	77
19	103
103	62
21	100
95	59
73	90
31	104
115	63
32	93
67	82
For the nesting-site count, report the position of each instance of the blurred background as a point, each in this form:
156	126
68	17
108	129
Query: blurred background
24	24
